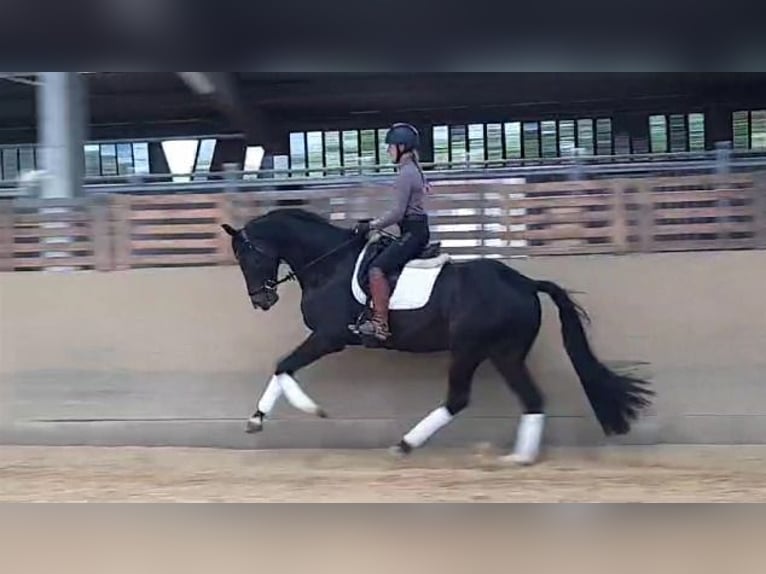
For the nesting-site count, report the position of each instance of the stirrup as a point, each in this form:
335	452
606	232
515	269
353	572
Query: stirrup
375	328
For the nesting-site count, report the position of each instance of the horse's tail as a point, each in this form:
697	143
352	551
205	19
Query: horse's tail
616	399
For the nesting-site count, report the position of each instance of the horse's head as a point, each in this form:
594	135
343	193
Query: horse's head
259	263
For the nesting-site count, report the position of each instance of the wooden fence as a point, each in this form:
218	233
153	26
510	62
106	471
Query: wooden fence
619	216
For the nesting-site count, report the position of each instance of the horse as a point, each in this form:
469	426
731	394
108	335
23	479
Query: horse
474	310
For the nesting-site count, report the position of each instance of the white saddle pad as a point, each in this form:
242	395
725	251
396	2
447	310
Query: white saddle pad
414	287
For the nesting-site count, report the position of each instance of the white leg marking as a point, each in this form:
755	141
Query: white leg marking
270	396
296	397
529	439
432	424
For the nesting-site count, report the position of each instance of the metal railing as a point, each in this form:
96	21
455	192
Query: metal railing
543	169
528	170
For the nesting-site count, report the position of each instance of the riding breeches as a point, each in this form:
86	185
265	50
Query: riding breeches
415	235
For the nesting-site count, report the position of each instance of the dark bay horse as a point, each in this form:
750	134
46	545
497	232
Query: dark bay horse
478	310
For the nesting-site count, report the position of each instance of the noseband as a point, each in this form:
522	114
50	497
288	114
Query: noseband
269	286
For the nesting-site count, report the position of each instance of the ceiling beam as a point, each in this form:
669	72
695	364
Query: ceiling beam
222	89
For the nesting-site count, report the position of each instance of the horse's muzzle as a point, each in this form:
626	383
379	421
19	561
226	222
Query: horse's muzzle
264	300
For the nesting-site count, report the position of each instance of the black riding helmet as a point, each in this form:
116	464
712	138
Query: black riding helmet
404	135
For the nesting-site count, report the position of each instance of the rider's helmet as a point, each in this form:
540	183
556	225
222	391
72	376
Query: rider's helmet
404	135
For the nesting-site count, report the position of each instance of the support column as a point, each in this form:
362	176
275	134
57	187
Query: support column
158	163
426	142
229	151
267	165
631	133
62	120
719	127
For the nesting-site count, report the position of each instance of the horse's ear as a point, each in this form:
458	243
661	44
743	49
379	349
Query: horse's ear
229	229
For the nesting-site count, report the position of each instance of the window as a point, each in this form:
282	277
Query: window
92	160
254	160
181	156
125	159
741	125
109	159
696	132
567	138
513	140
141	158
531	140
494	141
458	146
10	163
281	163
604	136
369	149
204	155
476	149
315	144
441	144
549	139
758	129
658	134
298	154
26	159
678	137
351	150
383	158
332	152
585	138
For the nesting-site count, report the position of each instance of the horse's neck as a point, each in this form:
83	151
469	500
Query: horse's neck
304	253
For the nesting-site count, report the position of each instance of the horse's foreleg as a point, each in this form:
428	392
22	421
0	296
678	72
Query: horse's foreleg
266	405
311	350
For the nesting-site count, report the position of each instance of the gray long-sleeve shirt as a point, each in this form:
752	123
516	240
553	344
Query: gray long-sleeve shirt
409	188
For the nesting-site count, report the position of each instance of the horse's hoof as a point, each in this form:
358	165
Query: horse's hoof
401	450
519	460
322	414
254	425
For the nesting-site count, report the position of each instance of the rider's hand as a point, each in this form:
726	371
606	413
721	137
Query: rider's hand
363	228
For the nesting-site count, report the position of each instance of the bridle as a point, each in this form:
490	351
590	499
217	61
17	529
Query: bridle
270	285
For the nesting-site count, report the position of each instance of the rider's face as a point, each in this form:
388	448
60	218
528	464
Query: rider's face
393	153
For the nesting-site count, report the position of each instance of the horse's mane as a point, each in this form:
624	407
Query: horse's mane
279	217
303	215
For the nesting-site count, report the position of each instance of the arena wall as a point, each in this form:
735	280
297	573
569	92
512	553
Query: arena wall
178	357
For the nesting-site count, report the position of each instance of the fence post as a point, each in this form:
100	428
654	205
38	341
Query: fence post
645	216
230	176
620	217
576	171
225	208
121	207
7	235
100	232
723	158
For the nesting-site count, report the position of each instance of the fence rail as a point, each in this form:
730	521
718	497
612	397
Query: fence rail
110	232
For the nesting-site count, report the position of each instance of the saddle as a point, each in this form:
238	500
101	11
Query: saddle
430	257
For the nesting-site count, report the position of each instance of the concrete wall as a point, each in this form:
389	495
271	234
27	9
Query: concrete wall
179	357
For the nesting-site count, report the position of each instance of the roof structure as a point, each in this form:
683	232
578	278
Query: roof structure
266	106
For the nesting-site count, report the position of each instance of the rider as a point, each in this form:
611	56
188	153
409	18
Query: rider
409	214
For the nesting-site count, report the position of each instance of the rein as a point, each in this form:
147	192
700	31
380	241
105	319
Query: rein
293	275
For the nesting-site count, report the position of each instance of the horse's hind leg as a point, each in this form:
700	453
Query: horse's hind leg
509	360
462	370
